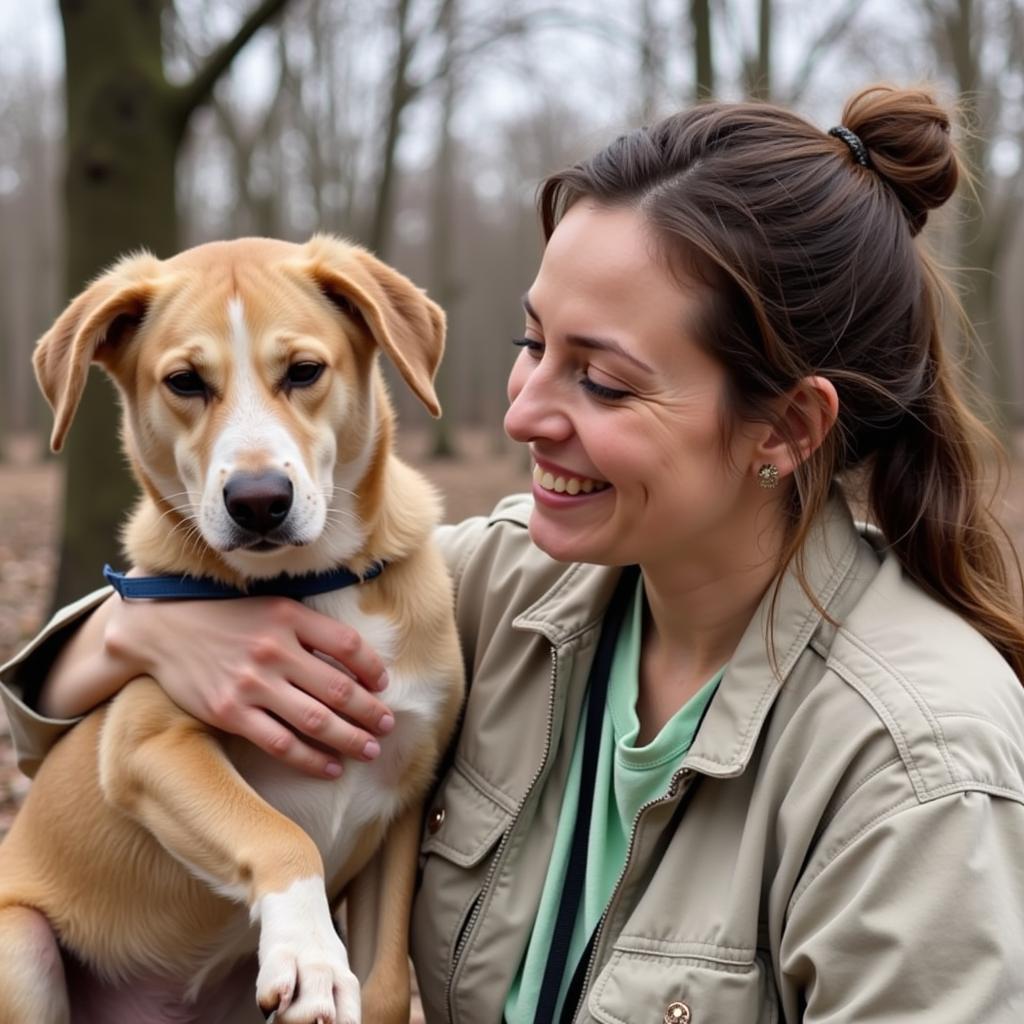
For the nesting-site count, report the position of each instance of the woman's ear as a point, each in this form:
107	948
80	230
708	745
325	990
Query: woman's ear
807	413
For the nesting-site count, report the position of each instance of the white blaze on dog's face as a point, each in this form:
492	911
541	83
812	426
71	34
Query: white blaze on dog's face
251	392
255	411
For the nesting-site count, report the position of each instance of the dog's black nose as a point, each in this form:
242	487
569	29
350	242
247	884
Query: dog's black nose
258	501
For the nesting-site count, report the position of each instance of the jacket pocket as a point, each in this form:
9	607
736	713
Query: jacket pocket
641	986
463	827
463	821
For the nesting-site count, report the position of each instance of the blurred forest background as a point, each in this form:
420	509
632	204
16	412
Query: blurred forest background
421	129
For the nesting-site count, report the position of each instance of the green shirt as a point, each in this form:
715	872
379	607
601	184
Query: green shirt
627	778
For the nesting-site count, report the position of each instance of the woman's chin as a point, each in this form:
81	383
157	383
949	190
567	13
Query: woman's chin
551	540
564	544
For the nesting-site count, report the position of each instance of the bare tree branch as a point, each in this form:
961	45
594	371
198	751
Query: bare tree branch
517	26
824	41
257	206
405	89
191	95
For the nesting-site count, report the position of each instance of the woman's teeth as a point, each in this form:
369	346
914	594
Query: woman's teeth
566	484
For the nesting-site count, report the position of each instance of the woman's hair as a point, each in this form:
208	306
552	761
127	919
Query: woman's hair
814	270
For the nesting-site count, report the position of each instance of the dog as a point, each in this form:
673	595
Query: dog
161	853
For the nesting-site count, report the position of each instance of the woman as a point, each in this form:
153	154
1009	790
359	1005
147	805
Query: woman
797	793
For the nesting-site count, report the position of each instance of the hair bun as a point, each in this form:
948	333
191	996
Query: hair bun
908	141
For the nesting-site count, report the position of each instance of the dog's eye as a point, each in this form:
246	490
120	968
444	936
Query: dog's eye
186	383
301	375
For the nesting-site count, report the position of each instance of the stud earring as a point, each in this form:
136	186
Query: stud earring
768	476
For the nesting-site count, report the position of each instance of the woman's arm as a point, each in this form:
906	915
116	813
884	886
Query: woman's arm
84	673
243	666
919	917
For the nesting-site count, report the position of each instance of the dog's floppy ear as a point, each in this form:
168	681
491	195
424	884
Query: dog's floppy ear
406	325
91	329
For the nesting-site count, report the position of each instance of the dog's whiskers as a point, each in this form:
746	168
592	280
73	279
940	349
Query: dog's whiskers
187	511
332	511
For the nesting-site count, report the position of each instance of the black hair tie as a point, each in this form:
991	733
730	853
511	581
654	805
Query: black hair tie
857	148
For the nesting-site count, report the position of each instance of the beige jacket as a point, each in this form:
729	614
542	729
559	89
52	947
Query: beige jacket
844	841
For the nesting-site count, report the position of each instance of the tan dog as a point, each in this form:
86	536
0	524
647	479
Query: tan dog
161	854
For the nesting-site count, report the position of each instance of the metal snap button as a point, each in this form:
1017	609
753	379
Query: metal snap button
436	820
677	1013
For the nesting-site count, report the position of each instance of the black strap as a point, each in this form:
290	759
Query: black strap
575	872
574	993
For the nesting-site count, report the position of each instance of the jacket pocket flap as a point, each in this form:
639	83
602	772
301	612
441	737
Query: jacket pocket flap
637	985
463	822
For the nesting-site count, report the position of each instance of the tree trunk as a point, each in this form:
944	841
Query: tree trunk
401	92
443	232
982	237
990	362
650	60
700	15
763	78
119	196
125	123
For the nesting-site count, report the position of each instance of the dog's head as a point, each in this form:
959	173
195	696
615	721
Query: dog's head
252	404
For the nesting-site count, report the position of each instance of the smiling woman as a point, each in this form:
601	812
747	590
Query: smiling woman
613	388
718	734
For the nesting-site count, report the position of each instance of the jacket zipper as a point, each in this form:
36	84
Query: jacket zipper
673	790
496	860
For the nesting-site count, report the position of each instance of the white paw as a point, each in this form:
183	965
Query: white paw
304	972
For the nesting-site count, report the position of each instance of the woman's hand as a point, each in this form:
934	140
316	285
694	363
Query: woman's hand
244	666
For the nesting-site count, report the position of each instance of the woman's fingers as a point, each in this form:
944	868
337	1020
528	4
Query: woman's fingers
333	687
315	721
278	741
341	643
335	675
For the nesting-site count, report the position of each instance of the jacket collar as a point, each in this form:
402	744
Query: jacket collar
574	605
729	732
750	685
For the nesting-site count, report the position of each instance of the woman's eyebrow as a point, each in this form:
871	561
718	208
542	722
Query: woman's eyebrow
585	341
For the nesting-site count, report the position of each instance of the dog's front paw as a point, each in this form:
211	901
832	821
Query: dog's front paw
308	987
304	973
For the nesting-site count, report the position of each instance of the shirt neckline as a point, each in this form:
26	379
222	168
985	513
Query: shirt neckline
676	736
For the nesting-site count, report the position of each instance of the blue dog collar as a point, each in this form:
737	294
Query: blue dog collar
171	588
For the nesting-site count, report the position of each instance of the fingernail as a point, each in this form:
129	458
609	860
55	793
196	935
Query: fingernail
332	769
382	681
386	723
371	750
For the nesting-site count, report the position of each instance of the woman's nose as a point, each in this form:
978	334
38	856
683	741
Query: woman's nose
535	409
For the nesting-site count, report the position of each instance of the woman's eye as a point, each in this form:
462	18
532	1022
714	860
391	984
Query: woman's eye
602	391
186	383
532	345
301	375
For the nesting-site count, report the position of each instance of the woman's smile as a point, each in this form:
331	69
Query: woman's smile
557	486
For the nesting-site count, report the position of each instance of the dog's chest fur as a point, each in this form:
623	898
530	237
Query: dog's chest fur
333	813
